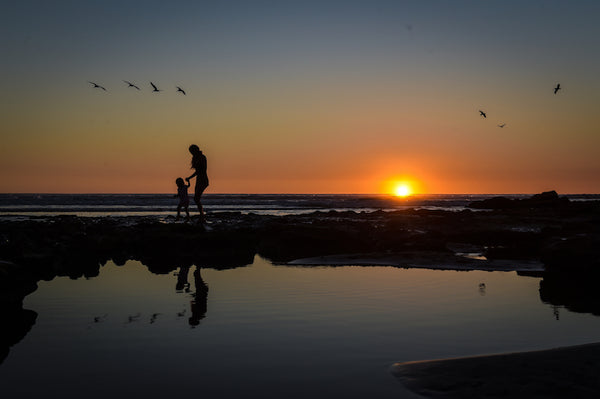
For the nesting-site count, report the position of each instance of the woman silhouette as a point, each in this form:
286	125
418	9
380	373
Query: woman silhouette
199	165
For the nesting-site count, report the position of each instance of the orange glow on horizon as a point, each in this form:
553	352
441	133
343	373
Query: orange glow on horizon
402	187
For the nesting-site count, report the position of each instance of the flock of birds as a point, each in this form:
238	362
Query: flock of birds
501	125
155	89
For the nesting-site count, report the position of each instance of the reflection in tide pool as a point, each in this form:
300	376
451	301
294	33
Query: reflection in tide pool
271	331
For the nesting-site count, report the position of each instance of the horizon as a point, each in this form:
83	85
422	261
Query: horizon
312	97
406	197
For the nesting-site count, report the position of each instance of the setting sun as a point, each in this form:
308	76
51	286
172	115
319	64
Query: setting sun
402	186
402	190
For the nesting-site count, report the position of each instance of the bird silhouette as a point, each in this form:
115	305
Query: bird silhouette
155	88
131	84
482	114
96	85
181	90
557	88
502	125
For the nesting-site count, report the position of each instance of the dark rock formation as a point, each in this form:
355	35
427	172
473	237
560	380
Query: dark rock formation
16	323
578	292
543	200
15	284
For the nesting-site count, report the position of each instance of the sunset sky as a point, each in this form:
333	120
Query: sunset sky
301	96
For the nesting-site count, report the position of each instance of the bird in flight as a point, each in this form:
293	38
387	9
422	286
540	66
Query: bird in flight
181	90
96	85
502	125
482	114
557	88
131	84
155	88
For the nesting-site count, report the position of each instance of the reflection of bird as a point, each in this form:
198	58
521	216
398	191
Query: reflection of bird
133	318
154	317
481	288
181	90
131	84
482	114
99	319
502	125
155	88
557	88
96	85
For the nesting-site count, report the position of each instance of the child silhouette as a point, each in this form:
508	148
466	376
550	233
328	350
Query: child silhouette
184	200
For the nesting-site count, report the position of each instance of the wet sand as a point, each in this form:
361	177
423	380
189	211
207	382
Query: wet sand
424	260
569	372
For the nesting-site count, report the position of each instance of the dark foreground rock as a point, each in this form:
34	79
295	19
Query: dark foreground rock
15	284
577	292
565	239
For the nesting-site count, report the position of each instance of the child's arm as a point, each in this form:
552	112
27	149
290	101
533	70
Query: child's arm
187	179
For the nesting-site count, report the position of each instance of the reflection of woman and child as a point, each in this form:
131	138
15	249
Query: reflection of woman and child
200	297
199	165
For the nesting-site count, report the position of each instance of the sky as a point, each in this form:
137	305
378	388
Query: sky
301	96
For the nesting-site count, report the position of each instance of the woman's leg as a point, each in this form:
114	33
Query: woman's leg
197	198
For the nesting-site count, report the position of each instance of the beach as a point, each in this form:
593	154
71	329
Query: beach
570	372
554	239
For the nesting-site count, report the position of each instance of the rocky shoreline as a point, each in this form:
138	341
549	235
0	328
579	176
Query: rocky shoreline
546	235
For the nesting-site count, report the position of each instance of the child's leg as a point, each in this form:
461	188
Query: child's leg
200	209
178	212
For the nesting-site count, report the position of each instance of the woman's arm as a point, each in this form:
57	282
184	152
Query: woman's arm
188	178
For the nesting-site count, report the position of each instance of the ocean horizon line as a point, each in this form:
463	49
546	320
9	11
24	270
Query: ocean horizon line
298	194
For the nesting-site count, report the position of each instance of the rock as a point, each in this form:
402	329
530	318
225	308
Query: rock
545	196
493	203
580	253
15	326
545	199
577	292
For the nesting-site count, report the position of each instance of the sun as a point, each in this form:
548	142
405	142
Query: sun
402	186
402	190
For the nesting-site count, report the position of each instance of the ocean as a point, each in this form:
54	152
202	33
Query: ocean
164	205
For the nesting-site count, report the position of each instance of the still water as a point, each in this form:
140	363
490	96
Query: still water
268	331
